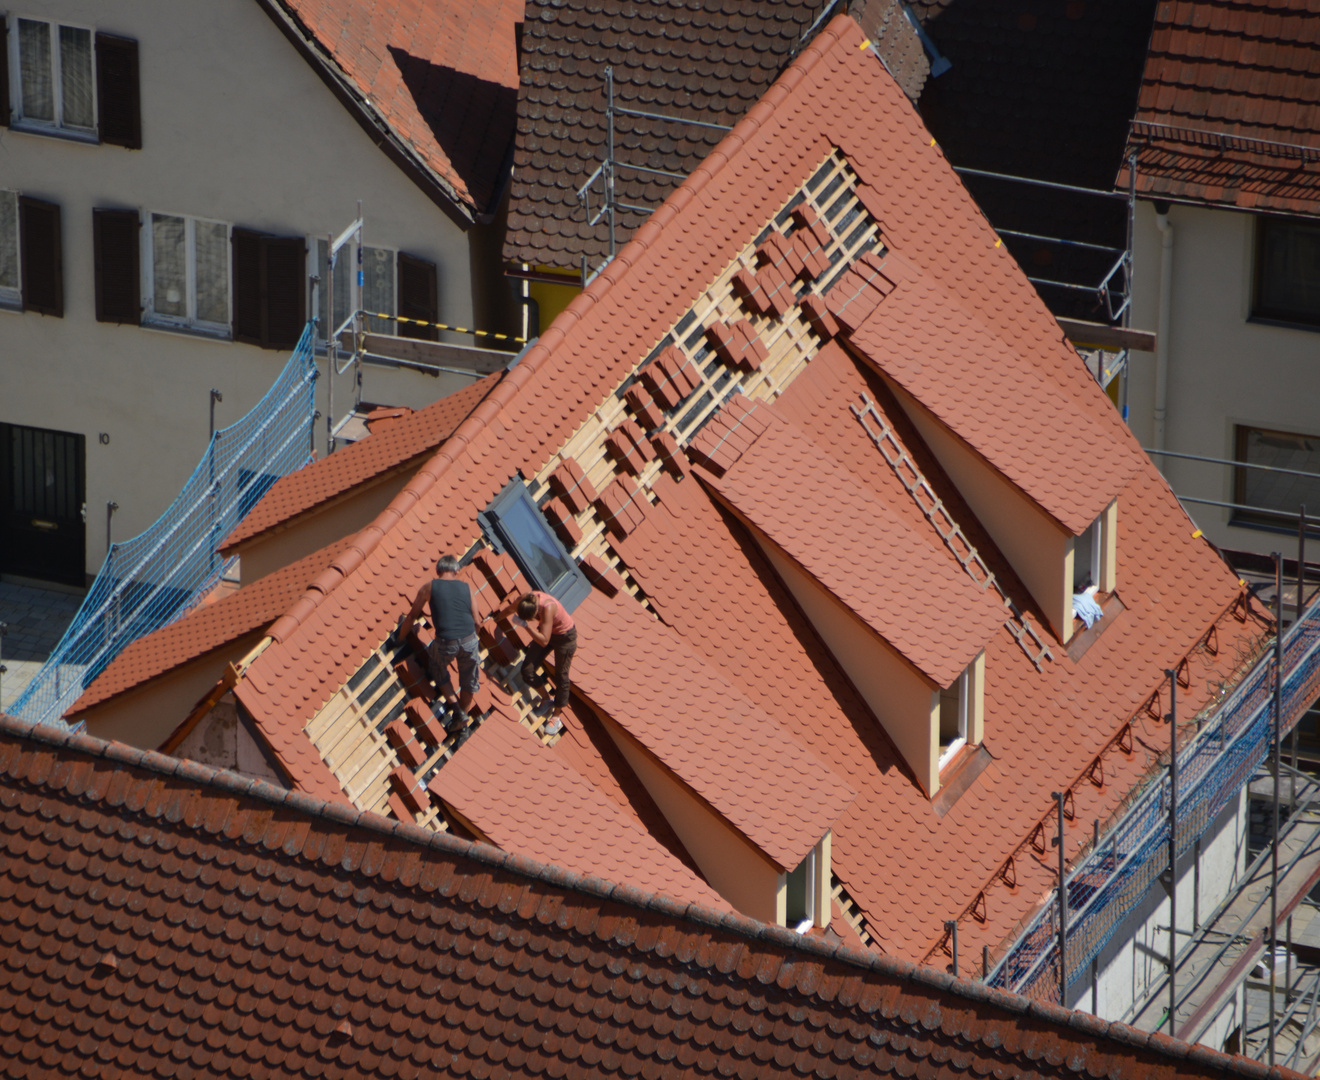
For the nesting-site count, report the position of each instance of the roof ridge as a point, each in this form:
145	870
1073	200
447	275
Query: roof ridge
507	389
753	931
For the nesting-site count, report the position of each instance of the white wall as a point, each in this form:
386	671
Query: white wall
1135	957
237	127
1223	369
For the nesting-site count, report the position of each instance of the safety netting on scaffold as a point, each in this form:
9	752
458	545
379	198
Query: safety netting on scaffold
1109	883
159	575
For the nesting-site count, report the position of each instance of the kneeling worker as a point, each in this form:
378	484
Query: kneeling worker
454	618
552	628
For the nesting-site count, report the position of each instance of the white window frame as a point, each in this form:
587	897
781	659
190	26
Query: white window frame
809	920
19	122
361	286
150	317
964	714
13	298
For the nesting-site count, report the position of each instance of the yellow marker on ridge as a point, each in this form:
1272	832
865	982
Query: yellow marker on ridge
864	44
998	241
1196	534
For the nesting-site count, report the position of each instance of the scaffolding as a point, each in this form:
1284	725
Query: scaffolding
1108	883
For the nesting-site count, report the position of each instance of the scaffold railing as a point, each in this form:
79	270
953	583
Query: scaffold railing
159	575
1106	885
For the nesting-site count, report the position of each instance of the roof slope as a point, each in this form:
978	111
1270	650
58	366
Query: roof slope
443	74
206	627
702	60
392	446
915	597
158	919
907	867
526	798
1229	110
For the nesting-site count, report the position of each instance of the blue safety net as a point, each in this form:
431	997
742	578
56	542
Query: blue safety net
158	576
1108	884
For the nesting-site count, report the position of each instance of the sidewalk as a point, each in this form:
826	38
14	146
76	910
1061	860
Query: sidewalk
37	618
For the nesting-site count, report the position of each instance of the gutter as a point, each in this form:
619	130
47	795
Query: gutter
439	190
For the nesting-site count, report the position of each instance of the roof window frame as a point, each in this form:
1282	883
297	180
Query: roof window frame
498	526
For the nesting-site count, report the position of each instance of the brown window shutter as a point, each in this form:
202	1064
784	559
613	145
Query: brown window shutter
117	95
116	250
246	268
283	290
417	297
4	71
39	246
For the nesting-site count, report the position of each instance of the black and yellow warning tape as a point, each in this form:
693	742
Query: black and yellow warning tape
446	326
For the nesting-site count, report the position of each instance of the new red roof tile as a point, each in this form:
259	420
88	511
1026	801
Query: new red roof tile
526	798
207	627
1229	111
912	593
161	919
442	74
713	737
393	446
906	868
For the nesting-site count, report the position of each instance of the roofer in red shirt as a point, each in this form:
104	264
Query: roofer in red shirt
454	618
552	628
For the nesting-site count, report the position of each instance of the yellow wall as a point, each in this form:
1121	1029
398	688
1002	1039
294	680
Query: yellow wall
1037	546
552	299
147	715
907	706
273	550
732	864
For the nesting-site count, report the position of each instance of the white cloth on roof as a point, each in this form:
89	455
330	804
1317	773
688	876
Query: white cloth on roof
1086	608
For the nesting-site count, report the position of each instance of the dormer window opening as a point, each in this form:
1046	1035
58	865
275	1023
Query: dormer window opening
514	524
1086	556
799	906
954	710
1094	554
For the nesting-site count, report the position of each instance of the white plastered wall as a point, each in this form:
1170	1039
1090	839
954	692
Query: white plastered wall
1224	369
236	127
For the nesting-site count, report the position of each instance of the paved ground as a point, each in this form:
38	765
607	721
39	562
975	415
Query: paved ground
36	620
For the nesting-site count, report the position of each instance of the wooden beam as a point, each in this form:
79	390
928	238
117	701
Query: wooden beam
437	354
1099	336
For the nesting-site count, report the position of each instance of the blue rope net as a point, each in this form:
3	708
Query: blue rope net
158	576
1105	886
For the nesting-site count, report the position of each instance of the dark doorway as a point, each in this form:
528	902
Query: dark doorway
42	490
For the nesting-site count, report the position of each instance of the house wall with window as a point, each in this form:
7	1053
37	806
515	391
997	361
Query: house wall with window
212	228
1243	365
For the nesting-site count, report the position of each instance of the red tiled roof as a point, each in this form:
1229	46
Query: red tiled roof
914	595
687	712
526	798
159	918
443	74
907	867
1229	111
206	627
389	447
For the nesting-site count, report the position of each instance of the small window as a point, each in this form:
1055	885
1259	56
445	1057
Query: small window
954	702
378	293
1283	493
53	83
11	288
1086	556
1287	271
187	271
514	523
800	901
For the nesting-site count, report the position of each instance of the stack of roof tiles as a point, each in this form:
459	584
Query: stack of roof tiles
160	919
1229	111
705	629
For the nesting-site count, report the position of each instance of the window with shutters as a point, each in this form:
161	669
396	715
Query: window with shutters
11	288
269	288
52	84
378	291
186	272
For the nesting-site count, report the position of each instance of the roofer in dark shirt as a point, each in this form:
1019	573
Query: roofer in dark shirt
454	618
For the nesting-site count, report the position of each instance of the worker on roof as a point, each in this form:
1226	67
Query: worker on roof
552	628
454	618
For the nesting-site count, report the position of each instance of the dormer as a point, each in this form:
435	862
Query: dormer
901	617
1043	551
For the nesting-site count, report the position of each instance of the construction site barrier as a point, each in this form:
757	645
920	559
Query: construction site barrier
158	576
1107	884
444	326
